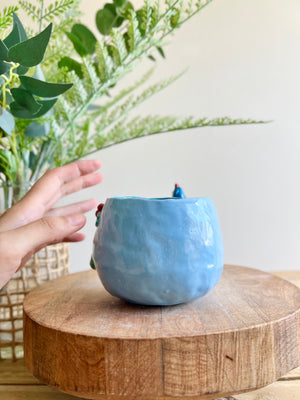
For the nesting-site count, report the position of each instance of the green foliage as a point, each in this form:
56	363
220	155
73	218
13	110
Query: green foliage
29	52
23	99
83	39
59	99
6	17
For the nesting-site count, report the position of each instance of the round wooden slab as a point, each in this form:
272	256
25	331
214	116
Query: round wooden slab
242	335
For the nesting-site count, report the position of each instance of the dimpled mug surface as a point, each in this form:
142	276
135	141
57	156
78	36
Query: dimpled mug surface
158	251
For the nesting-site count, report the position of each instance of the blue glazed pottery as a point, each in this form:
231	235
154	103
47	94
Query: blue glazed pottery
160	251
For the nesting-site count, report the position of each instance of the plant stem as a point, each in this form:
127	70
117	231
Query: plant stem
41	17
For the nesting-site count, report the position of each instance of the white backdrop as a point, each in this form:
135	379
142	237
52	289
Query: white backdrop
243	59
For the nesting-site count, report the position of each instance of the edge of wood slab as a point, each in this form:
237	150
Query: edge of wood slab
197	367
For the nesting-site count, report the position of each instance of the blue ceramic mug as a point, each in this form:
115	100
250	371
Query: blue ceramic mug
160	251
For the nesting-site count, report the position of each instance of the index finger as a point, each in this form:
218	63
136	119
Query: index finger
60	181
49	189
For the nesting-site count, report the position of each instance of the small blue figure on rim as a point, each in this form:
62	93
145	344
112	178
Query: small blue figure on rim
178	192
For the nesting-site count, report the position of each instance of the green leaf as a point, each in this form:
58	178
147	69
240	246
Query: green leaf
34	129
18	23
3	51
31	52
17	34
32	160
21	70
8	97
4	67
25	99
175	19
19	111
46	106
42	88
8	164
83	39
71	65
13	38
119	3
139	16
107	18
7	121
161	52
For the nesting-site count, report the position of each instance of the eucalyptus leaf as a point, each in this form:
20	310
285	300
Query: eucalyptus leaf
83	39
119	3
42	88
107	18
71	65
8	97
19	111
18	23
4	67
25	99
3	51
34	129
13	38
46	106
21	70
7	121
31	52
17	34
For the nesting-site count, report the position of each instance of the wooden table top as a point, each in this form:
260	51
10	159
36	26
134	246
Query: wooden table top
17	383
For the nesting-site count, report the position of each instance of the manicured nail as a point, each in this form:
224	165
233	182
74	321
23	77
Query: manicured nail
76	219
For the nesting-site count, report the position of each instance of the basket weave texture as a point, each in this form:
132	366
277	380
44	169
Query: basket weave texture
49	263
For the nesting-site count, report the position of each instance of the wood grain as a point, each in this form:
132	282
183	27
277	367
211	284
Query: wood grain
16	382
243	335
24	392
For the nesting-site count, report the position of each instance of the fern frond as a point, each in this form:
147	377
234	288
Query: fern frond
30	9
123	109
156	13
134	34
6	17
64	110
118	47
78	93
57	8
54	128
151	125
84	144
123	93
104	61
90	75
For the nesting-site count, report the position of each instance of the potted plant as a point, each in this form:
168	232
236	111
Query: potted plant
48	111
59	97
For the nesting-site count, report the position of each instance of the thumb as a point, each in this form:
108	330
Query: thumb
47	230
18	245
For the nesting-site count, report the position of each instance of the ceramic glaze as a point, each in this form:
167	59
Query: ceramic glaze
158	251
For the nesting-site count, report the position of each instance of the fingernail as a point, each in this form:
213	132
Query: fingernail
76	219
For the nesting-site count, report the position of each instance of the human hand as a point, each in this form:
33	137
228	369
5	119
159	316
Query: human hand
34	223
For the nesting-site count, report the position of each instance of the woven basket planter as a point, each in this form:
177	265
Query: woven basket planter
49	263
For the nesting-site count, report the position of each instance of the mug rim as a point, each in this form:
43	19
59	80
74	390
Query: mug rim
187	199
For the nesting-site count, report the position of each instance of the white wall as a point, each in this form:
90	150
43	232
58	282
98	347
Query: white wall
244	62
